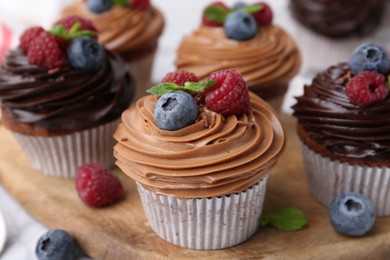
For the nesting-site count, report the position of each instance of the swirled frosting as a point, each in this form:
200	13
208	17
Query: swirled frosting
212	157
270	58
331	125
63	99
339	19
123	29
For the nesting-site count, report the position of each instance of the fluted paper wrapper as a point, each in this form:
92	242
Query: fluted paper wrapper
141	70
60	156
327	179
205	224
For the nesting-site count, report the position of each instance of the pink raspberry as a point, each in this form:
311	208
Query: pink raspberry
366	88
206	21
47	51
28	36
264	16
140	4
229	95
180	77
96	186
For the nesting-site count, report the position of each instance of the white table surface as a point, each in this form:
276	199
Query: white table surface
181	18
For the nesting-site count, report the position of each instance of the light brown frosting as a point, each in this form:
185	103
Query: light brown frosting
123	28
213	157
270	58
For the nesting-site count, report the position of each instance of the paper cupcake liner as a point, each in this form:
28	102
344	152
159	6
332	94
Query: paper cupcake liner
327	179
320	52
205	224
60	156
141	70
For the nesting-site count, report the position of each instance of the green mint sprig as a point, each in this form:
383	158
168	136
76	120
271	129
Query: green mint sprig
166	87
120	2
60	31
388	81
218	13
284	219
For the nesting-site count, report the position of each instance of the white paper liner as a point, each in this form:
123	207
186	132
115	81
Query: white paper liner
205	224
327	179
60	156
320	52
141	70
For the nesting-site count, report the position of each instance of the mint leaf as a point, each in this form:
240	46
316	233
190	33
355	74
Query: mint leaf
120	2
252	9
75	27
216	13
59	31
285	219
388	81
199	86
163	88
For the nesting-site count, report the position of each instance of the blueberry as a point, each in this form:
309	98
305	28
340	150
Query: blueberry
86	54
238	5
99	6
240	26
175	110
369	57
56	244
352	214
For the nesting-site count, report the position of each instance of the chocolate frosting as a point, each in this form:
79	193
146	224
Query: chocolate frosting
214	156
271	58
331	125
338	19
63	99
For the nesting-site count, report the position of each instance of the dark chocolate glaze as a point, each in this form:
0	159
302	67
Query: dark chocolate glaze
339	127
63	99
339	18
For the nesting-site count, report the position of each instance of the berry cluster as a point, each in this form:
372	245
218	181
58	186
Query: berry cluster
72	40
240	22
101	6
224	92
370	67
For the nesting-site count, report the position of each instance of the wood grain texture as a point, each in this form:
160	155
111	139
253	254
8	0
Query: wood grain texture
121	231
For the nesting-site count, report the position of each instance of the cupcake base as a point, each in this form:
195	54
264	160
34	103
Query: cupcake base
208	223
60	156
327	179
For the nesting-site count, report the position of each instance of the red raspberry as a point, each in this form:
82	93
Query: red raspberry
180	77
140	4
70	20
229	95
96	186
28	36
206	21
366	88
47	50
264	16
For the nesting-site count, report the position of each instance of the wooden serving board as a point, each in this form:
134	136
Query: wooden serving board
121	231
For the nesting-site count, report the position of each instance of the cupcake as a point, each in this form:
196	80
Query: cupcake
245	39
328	31
200	161
130	29
343	125
61	96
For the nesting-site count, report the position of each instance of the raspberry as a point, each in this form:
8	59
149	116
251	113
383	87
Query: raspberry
140	4
70	20
28	36
180	77
367	88
229	95
96	186
47	51
206	21
264	16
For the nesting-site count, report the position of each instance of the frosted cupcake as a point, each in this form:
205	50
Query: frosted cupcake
262	52
61	102
201	164
343	124
131	29
328	31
